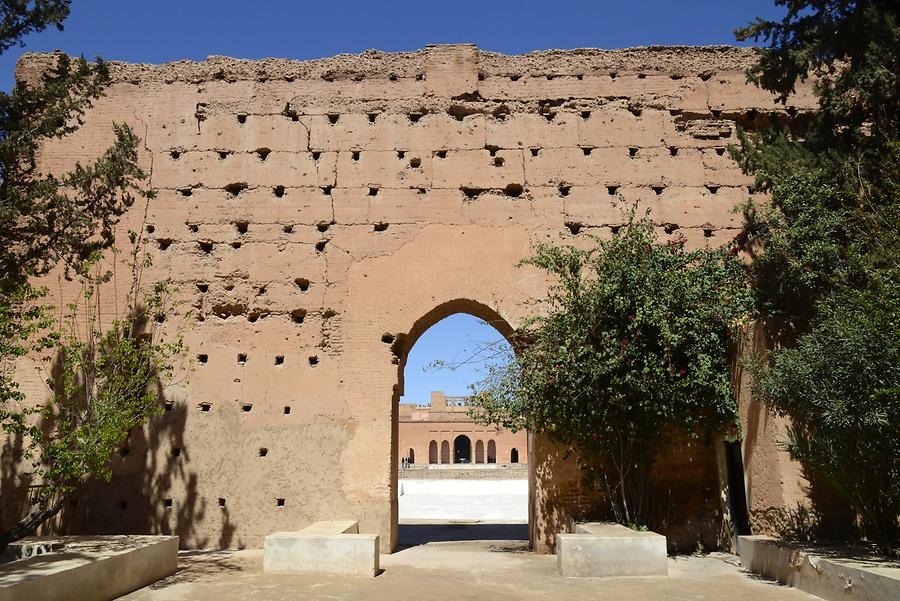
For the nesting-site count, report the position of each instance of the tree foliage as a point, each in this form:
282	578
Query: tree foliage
631	347
830	174
828	271
852	50
105	378
46	218
21	17
841	388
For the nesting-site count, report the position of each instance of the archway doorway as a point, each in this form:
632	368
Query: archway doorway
462	449
468	490
432	452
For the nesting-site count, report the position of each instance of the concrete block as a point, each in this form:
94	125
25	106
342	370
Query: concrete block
328	547
834	578
600	550
90	568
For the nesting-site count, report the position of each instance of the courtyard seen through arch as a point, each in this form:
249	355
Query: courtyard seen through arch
471	480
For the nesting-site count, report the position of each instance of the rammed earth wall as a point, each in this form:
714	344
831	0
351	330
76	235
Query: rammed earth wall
317	216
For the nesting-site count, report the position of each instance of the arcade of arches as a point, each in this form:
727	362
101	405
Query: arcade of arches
442	432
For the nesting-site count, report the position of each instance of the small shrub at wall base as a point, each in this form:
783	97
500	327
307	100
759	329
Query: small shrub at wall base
630	349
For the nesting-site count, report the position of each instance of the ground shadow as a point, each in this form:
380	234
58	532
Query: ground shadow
194	566
412	535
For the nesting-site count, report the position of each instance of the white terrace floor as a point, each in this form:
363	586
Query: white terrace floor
489	501
458	571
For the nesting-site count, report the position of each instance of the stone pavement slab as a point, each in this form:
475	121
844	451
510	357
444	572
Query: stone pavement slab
461	571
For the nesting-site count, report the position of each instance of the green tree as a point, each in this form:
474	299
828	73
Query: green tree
831	207
828	272
21	17
106	377
840	386
629	351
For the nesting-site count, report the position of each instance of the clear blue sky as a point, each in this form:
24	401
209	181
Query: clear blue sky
164	30
466	345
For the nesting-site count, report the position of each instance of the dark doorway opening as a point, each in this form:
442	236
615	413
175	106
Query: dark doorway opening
462	449
734	464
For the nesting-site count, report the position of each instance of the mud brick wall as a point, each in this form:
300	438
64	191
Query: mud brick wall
317	216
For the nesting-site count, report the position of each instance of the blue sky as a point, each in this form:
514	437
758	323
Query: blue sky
466	345
165	30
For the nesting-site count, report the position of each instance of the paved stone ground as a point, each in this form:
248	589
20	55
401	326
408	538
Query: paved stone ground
467	570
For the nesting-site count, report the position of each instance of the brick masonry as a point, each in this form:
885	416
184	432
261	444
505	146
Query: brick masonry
317	216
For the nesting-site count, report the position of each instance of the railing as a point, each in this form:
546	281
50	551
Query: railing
16	504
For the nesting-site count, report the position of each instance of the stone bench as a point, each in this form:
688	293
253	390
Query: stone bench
832	573
331	547
86	568
604	550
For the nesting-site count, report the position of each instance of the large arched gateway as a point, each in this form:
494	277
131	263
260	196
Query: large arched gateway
318	216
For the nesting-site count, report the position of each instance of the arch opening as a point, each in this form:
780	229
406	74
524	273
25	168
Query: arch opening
447	350
462	449
432	452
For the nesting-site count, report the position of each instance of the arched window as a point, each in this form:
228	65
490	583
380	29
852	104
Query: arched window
514	456
445	452
462	449
492	452
432	452
479	452
411	456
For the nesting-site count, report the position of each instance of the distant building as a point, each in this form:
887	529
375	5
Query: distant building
443	432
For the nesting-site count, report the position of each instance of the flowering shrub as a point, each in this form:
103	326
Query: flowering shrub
631	346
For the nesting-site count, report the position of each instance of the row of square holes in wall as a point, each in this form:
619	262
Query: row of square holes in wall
242	359
169	503
414	162
455	113
513	190
206	407
358	77
176	451
243	227
235	188
510	190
